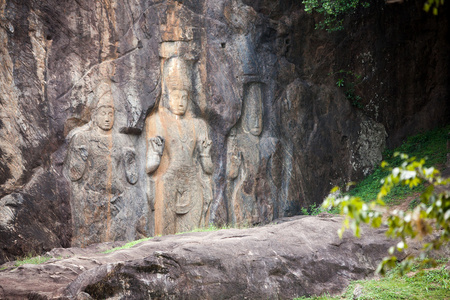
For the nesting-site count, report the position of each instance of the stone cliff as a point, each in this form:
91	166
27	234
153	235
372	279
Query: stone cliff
259	96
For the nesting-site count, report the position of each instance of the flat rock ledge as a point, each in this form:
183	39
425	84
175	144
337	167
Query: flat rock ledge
299	257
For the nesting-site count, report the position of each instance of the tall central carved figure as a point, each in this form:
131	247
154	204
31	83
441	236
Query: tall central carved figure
178	158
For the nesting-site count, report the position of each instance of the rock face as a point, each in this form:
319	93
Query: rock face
282	133
281	261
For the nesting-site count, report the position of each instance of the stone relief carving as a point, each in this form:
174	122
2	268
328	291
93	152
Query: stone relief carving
101	168
244	160
248	152
178	159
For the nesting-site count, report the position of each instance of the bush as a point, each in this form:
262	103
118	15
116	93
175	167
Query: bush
432	212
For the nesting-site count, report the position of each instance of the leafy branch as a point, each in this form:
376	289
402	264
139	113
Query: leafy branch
333	11
433	5
433	211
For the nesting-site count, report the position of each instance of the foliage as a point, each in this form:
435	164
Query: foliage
433	211
348	81
128	245
333	11
431	144
433	5
426	284
314	210
29	259
36	260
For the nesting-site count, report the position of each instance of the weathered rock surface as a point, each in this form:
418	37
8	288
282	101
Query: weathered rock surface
277	120
280	261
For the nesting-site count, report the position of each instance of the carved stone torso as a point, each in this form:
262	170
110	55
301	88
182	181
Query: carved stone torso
180	190
99	174
181	140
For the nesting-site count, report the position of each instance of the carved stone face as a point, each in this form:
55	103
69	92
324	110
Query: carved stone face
105	118
178	101
253	110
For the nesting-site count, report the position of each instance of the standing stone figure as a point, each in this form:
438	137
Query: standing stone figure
248	152
244	158
100	169
178	156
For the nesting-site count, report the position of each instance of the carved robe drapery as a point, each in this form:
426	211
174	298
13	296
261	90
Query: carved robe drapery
180	189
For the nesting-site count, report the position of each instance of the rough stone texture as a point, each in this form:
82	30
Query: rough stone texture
280	261
257	63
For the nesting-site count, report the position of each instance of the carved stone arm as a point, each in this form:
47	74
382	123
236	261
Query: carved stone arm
205	156
235	160
77	162
154	153
131	172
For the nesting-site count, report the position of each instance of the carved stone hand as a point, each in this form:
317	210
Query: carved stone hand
205	147
157	144
83	151
236	158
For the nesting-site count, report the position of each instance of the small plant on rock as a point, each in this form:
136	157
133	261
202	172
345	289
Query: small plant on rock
348	81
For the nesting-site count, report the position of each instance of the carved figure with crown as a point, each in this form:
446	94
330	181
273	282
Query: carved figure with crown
178	159
100	168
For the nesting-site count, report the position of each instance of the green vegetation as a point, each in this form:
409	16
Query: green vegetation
348	81
34	260
314	210
426	284
431	145
30	259
433	5
127	245
209	228
324	297
398	176
131	244
431	213
333	11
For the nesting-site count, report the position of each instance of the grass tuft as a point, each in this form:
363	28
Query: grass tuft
424	285
34	260
127	245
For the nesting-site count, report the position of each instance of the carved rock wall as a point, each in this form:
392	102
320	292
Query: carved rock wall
282	132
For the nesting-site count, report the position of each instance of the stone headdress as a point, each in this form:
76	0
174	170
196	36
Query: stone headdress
177	74
104	95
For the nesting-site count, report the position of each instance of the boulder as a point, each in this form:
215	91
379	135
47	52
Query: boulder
302	256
